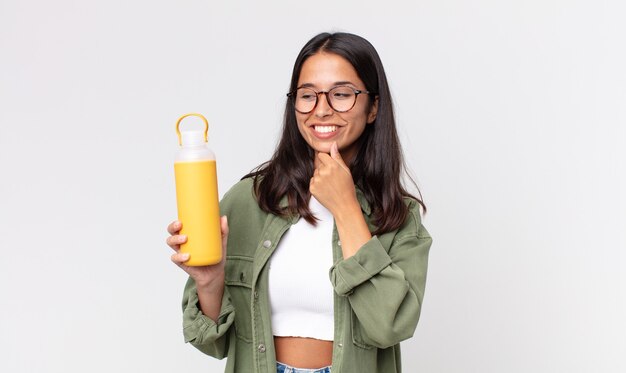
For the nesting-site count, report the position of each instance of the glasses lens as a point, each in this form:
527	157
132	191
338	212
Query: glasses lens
305	99
342	98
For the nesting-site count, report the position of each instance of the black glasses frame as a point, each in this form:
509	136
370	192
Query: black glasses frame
357	92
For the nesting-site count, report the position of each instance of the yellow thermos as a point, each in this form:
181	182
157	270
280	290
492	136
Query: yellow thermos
197	197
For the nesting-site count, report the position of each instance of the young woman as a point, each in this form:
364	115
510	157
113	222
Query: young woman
325	252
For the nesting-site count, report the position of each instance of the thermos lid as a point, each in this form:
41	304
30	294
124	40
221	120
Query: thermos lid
192	138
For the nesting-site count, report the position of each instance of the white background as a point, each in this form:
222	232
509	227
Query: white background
512	116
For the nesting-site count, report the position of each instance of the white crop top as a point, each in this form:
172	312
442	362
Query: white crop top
301	295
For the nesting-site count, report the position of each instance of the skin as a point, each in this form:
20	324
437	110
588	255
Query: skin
209	279
321	72
331	184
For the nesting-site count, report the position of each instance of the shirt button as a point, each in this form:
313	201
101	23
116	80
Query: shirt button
267	244
338	243
261	348
256	294
340	344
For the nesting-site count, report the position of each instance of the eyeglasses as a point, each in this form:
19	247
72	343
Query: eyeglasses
341	98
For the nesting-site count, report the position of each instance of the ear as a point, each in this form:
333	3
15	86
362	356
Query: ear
371	116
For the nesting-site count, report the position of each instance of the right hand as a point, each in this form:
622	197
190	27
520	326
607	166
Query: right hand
204	276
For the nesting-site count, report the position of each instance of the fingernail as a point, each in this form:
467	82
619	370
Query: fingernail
184	256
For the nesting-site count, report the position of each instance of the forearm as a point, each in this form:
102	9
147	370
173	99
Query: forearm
210	297
352	229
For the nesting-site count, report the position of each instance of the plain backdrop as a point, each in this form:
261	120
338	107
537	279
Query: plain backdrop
512	117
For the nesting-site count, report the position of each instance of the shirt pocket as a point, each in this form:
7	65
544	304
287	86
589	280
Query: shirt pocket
358	335
238	279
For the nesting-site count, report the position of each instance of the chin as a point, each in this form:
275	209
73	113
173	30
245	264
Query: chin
323	148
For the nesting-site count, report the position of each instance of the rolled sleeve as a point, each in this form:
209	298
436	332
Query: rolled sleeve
384	283
368	261
201	331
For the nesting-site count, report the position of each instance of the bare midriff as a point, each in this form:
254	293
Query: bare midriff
305	353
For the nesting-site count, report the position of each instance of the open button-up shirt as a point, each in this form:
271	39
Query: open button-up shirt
377	300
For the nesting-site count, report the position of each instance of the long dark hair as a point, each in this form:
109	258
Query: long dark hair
378	164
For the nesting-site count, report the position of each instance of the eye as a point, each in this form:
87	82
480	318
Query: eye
342	93
306	95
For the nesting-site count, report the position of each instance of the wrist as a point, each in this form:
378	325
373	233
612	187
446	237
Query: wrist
211	285
348	212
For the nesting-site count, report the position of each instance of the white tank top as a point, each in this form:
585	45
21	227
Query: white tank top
301	295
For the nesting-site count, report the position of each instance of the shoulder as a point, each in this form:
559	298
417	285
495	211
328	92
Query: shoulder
246	220
242	190
414	209
239	195
413	224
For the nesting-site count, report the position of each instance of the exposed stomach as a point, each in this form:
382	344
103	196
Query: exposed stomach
305	353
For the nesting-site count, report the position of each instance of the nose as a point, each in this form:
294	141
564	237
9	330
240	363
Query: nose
323	109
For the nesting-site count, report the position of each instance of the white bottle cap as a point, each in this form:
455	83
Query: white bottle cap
192	138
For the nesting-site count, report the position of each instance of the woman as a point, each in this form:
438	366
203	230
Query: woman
325	252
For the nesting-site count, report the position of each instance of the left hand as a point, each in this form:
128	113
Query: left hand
332	183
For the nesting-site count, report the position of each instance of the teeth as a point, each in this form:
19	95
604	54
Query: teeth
325	129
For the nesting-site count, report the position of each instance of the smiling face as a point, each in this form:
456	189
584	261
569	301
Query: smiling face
323	126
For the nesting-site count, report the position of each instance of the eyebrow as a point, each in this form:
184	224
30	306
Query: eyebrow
342	82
